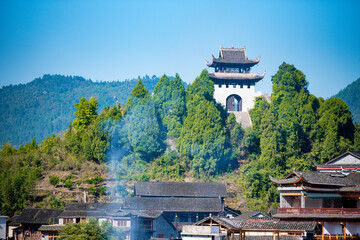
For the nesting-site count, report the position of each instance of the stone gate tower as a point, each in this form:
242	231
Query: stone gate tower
233	83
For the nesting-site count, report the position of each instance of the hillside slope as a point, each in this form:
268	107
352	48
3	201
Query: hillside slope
46	105
351	95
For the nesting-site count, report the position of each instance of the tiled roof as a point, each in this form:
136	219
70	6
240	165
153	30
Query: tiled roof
317	178
274	224
39	216
234	55
285	180
249	214
263	224
355	154
324	178
53	227
73	209
174	204
180	189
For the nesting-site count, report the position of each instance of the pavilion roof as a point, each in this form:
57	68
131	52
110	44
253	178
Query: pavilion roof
236	76
233	56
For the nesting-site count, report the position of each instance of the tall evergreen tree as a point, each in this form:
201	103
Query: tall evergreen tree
169	99
203	140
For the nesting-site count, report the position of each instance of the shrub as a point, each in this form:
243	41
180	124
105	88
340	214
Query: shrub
54	180
69	183
92	190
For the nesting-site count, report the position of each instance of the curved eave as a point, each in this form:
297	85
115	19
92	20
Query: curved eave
237	76
286	181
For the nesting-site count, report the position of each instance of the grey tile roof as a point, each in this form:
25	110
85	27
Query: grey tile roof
54	227
324	178
73	209
319	178
180	189
355	154
274	224
248	214
285	180
174	204
263	224
234	55
39	216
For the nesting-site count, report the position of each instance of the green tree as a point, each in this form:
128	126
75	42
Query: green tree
95	143
85	113
169	99
203	140
143	129
137	94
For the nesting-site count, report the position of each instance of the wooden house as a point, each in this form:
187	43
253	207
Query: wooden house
330	196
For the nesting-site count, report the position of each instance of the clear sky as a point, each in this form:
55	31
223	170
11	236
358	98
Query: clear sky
116	40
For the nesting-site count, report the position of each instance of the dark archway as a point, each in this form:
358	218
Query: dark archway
234	103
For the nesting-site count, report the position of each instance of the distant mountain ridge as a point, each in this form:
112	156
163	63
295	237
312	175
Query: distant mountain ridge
46	105
351	95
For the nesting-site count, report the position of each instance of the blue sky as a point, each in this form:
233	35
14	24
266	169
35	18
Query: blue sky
116	40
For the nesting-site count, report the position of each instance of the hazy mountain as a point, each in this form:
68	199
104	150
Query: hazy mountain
351	95
46	105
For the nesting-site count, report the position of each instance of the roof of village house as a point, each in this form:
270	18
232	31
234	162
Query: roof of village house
52	227
347	160
74	209
266	224
250	214
316	178
39	216
233	56
333	161
174	204
140	213
180	189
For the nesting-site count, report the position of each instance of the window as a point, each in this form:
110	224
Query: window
219	85
234	86
53	236
68	220
144	224
121	223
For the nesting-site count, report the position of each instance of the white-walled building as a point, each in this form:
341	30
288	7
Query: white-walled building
234	85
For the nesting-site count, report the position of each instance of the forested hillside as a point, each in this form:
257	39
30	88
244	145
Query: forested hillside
351	95
178	134
46	105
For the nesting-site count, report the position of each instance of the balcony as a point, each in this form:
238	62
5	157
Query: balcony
327	211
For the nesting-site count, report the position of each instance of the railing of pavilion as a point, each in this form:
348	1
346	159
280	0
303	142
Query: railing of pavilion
337	237
342	211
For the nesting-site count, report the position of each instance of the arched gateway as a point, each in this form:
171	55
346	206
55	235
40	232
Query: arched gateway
234	103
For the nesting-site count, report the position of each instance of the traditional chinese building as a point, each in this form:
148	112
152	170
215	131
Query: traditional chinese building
329	196
249	229
234	84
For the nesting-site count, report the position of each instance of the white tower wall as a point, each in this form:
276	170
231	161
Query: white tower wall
247	94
